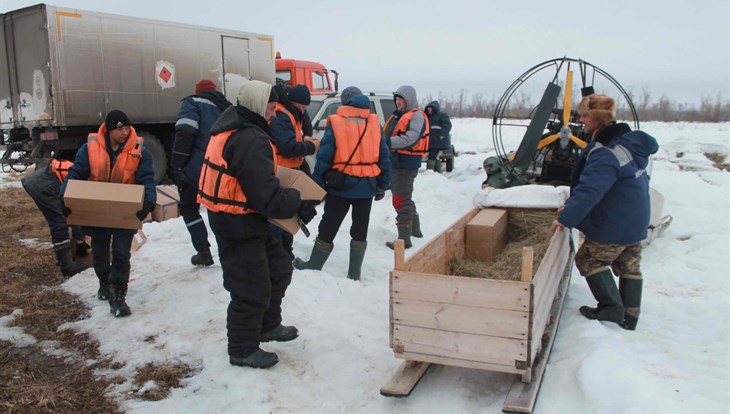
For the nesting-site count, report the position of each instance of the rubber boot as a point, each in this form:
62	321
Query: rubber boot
66	262
610	307
320	252
202	258
357	255
630	290
258	359
416	227
280	333
103	292
117	295
404	233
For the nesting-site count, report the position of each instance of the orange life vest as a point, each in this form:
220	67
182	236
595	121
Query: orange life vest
126	163
348	125
60	168
421	146
219	190
290	162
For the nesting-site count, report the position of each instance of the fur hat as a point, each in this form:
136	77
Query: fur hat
204	85
300	94
602	108
348	93
116	119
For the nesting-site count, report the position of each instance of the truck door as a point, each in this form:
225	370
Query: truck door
28	65
236	65
6	113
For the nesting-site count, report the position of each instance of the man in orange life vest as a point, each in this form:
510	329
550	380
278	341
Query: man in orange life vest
353	144
44	186
289	140
239	188
407	134
114	154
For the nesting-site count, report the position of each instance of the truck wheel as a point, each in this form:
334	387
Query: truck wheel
450	159
157	151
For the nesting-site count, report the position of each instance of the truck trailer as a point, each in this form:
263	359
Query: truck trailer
62	70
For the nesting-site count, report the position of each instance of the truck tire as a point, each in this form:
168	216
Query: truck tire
157	151
450	159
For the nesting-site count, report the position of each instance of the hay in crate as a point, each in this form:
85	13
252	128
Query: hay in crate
524	229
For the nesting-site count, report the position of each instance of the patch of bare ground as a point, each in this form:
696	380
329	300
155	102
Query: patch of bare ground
165	377
718	160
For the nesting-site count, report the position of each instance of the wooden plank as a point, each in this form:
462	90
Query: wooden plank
509	369
470	347
522	396
428	256
527	255
404	379
399	253
542	274
465	319
466	291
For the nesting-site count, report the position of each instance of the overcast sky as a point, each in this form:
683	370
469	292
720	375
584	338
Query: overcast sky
678	48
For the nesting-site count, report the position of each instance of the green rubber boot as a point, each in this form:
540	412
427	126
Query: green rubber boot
416	227
630	290
357	255
610	306
320	252
404	233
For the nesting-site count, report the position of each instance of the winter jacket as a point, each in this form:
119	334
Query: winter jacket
285	132
440	124
609	200
250	159
192	132
416	128
356	187
145	174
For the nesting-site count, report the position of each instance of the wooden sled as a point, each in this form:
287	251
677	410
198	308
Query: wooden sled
494	325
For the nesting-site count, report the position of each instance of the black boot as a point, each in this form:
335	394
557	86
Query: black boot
416	227
202	258
320	253
404	233
65	261
117	295
103	292
630	290
258	359
610	307
280	334
357	255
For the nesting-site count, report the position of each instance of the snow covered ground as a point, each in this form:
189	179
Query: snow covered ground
678	361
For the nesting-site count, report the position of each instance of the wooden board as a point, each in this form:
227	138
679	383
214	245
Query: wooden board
451	362
404	379
522	396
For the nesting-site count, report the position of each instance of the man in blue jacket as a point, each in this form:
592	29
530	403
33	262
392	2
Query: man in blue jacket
609	203
198	112
440	135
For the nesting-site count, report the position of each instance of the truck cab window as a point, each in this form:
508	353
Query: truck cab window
283	75
319	81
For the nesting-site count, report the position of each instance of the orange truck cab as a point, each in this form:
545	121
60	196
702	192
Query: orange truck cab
302	72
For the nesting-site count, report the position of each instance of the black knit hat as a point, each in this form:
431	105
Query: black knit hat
300	94
116	119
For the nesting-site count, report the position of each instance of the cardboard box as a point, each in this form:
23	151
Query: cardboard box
138	240
99	204
486	234
167	203
308	190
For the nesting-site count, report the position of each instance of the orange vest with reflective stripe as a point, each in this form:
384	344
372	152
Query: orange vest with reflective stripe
126	163
421	146
59	168
219	190
290	162
348	124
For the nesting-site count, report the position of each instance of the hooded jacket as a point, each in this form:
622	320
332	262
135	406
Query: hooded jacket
440	124
192	132
251	160
609	200
285	132
364	187
416	129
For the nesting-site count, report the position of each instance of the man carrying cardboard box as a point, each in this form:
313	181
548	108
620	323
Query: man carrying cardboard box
114	154
239	187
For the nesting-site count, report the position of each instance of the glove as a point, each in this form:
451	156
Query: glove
65	210
147	208
307	211
379	194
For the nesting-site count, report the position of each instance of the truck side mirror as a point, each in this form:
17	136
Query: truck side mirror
321	125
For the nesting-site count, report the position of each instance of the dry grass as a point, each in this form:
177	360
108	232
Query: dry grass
525	229
718	160
165	378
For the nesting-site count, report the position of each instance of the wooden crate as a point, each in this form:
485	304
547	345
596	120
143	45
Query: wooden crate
488	324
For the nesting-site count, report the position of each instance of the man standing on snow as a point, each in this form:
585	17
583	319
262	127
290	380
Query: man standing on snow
192	134
239	187
407	133
114	154
439	138
609	203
